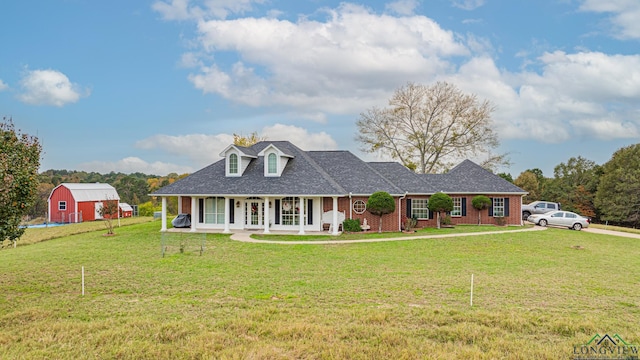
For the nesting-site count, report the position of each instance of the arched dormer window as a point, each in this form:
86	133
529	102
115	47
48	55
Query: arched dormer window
233	164
273	163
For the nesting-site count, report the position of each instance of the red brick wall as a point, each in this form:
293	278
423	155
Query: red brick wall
391	222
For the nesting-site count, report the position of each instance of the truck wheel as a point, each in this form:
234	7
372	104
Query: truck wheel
525	215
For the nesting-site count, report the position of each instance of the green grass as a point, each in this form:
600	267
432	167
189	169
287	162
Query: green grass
535	296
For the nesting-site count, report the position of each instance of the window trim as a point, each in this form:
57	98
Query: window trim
62	206
359	209
233	164
424	209
496	207
457	213
272	160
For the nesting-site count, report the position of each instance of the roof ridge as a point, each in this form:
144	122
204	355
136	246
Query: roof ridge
324	174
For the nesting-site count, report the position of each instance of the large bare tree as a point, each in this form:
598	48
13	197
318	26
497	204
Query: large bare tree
428	128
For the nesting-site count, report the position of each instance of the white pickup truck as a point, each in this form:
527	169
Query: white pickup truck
539	207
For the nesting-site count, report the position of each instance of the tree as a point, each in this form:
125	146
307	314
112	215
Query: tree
246	141
574	185
19	162
381	203
618	196
109	210
428	128
528	181
439	203
480	203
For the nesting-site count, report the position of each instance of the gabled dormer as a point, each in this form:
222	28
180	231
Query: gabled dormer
236	159
275	160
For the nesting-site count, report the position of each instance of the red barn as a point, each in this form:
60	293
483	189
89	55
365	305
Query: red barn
73	203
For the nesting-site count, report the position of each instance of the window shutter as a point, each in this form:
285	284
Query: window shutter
408	208
200	211
464	206
430	214
232	211
310	212
506	207
277	219
491	207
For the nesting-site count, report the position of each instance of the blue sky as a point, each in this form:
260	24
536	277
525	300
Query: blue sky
161	86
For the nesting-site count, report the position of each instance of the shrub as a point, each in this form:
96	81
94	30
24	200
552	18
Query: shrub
351	225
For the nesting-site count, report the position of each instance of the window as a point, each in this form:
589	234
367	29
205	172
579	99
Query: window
233	164
498	207
359	207
62	205
272	164
213	210
457	207
419	208
290	210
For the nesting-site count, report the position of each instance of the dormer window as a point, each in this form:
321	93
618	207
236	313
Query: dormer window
233	164
272	164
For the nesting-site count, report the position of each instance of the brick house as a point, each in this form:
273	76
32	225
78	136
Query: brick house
274	185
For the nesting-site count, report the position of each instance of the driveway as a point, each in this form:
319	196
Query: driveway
611	232
245	236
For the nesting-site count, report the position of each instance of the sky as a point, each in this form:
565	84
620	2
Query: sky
161	86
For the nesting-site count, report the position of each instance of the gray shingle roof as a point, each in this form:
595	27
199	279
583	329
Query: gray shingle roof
471	178
333	173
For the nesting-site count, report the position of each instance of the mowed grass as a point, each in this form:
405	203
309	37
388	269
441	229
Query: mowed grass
535	296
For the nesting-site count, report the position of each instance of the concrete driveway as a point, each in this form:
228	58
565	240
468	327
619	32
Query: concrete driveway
611	232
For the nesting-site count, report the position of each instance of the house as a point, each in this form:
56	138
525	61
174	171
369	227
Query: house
274	185
73	202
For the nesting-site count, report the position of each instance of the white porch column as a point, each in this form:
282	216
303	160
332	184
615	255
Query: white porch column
335	216
301	232
179	204
164	214
266	215
194	211
227	216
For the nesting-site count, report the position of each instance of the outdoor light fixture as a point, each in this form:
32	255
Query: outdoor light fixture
238	203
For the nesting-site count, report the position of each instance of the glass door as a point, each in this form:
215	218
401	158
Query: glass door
254	213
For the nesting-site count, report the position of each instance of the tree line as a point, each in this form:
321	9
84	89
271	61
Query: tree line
608	192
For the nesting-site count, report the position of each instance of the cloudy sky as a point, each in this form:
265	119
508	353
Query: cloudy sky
160	86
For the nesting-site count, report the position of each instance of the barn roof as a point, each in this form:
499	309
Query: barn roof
126	207
91	191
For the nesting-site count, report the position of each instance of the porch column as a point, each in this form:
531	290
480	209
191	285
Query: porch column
179	204
335	216
266	215
164	214
193	214
301	232
227	216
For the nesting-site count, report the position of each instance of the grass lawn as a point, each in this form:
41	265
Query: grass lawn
535	296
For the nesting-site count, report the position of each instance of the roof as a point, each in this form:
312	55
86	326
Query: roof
90	191
471	178
125	207
332	173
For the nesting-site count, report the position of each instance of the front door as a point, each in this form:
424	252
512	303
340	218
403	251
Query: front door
254	213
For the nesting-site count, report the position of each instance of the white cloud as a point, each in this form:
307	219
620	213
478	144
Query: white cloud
468	4
219	9
133	164
300	137
200	149
624	15
349	61
402	7
3	86
49	87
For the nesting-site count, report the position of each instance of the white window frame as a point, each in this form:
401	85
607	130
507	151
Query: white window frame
272	159
498	207
457	207
62	206
213	212
291	215
420	207
233	170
